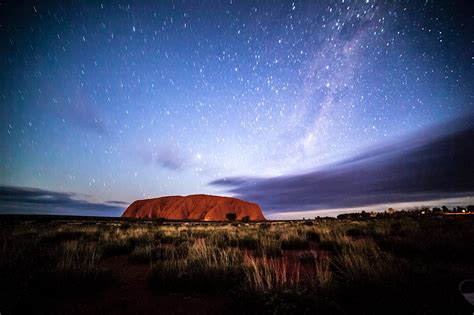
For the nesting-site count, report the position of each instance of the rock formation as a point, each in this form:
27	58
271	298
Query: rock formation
194	207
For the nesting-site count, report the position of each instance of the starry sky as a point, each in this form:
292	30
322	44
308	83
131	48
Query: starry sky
106	103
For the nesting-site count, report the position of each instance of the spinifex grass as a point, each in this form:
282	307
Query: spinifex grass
284	267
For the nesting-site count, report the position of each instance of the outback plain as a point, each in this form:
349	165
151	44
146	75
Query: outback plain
410	263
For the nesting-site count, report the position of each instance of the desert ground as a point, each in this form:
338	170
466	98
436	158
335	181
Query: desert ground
400	264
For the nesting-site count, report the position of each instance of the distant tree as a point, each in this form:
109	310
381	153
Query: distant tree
445	209
470	208
461	209
231	216
246	219
391	210
437	210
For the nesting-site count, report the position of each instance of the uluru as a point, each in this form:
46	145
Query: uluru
194	207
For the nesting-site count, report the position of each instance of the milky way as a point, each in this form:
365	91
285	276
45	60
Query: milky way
104	102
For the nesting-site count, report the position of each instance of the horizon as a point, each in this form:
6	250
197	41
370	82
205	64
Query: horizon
303	108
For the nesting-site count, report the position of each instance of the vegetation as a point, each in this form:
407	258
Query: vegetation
390	264
231	216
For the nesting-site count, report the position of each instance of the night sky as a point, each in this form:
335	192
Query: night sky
298	106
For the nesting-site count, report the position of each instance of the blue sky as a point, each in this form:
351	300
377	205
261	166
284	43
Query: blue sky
117	102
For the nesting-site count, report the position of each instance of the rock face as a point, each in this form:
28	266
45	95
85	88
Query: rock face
194	207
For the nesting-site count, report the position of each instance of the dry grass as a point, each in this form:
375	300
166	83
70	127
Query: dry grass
281	266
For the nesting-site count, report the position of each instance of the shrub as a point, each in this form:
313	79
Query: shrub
330	246
231	216
294	243
265	226
268	248
78	268
205	268
117	247
307	258
224	241
196	276
142	254
396	229
248	242
268	275
313	236
62	236
355	232
362	264
167	239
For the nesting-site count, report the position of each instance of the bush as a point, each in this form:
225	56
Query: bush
231	216
265	226
330	246
355	232
396	229
268	248
63	236
117	247
206	268
78	268
248	242
294	243
307	258
313	236
166	239
143	254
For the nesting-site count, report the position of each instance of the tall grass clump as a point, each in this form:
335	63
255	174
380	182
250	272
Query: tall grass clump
78	266
268	247
206	268
268	275
363	263
295	243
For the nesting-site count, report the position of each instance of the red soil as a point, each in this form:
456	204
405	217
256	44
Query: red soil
131	294
194	207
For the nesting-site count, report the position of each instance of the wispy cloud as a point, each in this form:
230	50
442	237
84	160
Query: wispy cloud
77	106
433	164
170	159
21	200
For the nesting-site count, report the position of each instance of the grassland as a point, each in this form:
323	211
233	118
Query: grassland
390	265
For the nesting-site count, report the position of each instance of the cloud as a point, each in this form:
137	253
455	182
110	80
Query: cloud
170	159
21	200
432	164
73	105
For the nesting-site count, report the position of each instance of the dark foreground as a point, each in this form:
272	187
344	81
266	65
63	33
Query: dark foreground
404	265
